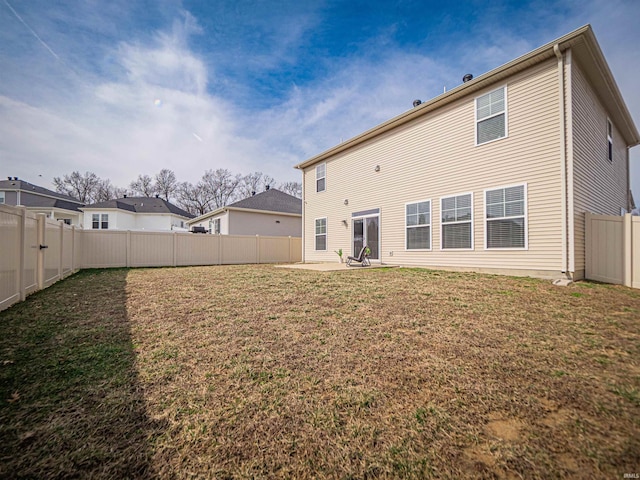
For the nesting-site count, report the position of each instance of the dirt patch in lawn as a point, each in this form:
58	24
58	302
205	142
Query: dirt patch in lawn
254	371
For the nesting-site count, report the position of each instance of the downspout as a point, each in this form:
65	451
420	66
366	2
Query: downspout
304	217
563	156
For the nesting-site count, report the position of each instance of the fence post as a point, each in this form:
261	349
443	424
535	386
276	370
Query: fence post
290	259
175	248
60	263
257	249
627	265
73	248
41	219
128	253
22	233
220	251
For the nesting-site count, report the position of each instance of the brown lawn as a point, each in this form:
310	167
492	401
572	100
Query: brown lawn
260	372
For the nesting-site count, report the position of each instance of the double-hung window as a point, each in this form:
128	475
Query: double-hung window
100	221
321	177
321	233
505	217
609	140
418	225
2	197
214	226
457	222
491	116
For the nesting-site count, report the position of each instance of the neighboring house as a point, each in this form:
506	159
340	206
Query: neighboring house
135	213
494	175
57	206
271	213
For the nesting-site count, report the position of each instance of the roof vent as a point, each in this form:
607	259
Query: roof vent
8	178
125	196
157	195
253	192
468	77
417	102
267	187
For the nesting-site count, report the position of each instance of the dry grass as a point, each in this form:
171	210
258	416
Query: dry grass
258	372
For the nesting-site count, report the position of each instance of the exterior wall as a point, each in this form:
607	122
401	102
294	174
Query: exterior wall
600	186
252	223
436	156
122	220
224	222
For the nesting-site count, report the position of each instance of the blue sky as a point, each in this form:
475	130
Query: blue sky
128	87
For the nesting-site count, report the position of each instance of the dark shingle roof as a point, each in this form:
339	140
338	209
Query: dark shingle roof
271	200
142	205
31	188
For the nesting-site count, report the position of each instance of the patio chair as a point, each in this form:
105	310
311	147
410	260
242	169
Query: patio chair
362	258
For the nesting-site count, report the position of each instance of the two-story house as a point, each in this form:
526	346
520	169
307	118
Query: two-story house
494	175
36	199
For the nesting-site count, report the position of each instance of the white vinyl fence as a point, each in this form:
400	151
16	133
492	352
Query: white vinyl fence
35	251
613	249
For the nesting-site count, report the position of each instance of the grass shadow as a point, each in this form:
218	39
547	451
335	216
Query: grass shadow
70	401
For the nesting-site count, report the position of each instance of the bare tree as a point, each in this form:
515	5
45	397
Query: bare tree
106	191
195	199
253	183
292	188
143	186
83	187
166	184
220	185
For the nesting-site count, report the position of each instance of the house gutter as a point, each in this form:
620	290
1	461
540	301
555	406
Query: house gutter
563	156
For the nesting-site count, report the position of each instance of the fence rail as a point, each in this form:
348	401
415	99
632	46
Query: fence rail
36	252
613	249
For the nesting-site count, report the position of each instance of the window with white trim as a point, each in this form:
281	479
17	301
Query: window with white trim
321	233
505	217
100	221
214	226
491	116
418	225
457	222
321	174
2	197
610	140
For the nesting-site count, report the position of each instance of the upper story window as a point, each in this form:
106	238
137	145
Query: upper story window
321	233
491	116
418	225
610	140
321	173
457	222
1	197
100	221
505	210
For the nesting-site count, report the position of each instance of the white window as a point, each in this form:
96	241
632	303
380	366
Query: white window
321	233
610	140
457	222
100	221
491	116
505	217
216	226
1	197
321	174
418	225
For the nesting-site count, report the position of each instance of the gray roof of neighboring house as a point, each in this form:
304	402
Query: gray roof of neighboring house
42	197
271	200
141	205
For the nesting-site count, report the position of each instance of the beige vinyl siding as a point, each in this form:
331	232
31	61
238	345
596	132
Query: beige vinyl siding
253	223
435	156
600	186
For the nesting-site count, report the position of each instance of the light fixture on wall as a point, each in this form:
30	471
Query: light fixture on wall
346	201
344	222
377	169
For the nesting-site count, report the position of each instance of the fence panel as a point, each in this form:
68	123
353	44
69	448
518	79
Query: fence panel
238	249
10	238
613	249
197	249
53	252
103	248
30	253
152	249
